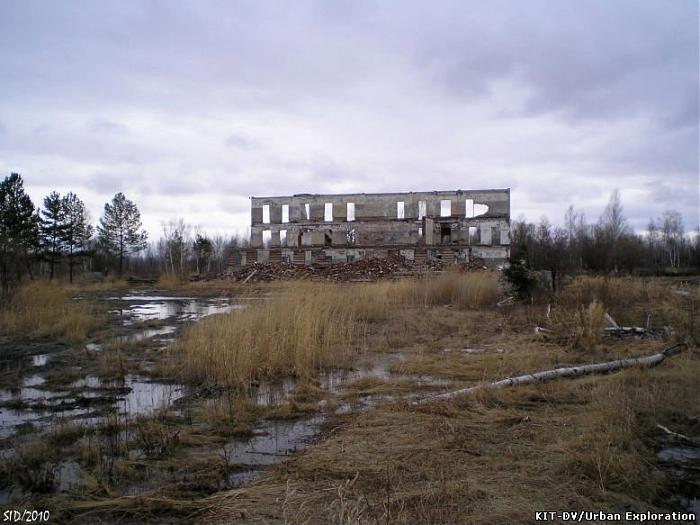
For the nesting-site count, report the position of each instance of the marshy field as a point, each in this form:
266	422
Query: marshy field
311	402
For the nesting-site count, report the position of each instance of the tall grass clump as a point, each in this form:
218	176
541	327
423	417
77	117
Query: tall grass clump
638	301
170	281
45	309
463	290
588	326
307	327
615	292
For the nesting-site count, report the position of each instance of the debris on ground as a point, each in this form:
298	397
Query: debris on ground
372	269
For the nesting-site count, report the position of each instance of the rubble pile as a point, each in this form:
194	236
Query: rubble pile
372	269
362	270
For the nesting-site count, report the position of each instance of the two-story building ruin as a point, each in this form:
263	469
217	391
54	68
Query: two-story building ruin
451	226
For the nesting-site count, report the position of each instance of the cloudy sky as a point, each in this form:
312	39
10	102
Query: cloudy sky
191	107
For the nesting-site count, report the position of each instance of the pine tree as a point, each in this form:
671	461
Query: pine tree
52	229
18	227
203	250
119	231
77	231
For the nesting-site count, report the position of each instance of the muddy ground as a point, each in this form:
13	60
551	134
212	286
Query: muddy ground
85	429
110	417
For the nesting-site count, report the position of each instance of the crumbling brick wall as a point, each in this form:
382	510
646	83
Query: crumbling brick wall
454	225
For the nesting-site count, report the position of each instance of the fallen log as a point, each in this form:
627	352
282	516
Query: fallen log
629	331
249	276
572	371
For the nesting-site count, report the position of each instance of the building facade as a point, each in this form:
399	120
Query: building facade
451	226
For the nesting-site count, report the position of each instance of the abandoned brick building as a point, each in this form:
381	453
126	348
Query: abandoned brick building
452	226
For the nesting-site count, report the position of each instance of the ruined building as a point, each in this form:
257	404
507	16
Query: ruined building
452	226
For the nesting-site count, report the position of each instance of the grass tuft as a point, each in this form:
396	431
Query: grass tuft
42	309
463	290
307	327
588	326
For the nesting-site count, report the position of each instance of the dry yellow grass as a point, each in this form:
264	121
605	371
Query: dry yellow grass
307	327
492	458
463	290
615	291
106	285
634	302
44	309
169	281
588	325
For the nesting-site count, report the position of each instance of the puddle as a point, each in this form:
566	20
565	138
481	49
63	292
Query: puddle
160	307
242	477
274	441
146	334
679	455
148	396
273	394
34	380
135	396
68	475
40	360
87	382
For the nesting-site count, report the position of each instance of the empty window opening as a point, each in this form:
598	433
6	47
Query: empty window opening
266	214
267	235
328	212
422	209
283	237
446	208
351	236
285	213
445	234
480	209
469	208
420	231
400	210
472	234
351	211
328	238
307	210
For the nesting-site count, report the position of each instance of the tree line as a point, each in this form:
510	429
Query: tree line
608	245
60	238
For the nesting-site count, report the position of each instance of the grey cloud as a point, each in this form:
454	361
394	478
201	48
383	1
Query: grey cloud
580	96
240	141
106	127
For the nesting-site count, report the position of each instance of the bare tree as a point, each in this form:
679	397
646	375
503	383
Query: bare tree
612	220
672	236
176	235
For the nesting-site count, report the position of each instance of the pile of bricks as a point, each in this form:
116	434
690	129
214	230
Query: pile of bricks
373	269
362	270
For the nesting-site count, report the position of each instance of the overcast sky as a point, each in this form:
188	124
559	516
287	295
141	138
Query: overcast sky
191	107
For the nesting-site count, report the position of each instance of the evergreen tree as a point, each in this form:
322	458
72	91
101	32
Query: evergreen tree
51	229
119	231
203	250
18	228
77	231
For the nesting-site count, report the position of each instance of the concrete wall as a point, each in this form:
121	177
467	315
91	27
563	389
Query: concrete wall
376	227
373	206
